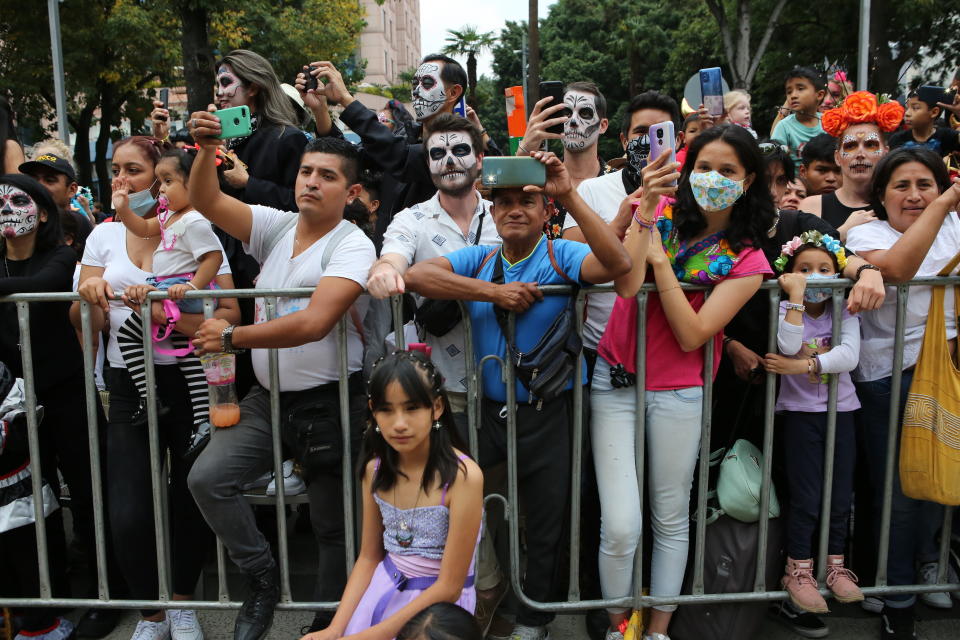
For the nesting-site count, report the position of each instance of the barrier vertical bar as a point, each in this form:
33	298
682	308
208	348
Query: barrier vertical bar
345	429
396	307
576	461
944	560
513	508
93	442
703	480
156	464
770	391
893	431
826	495
33	443
639	436
473	381
275	422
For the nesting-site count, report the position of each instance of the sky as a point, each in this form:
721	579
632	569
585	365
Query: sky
436	16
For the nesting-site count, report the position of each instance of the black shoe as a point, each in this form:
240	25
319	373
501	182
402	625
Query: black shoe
256	613
898	624
139	417
321	621
808	625
597	622
98	623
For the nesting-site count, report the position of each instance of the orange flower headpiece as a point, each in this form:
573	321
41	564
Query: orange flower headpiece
861	107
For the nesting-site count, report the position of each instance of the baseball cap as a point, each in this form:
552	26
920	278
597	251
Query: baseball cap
50	161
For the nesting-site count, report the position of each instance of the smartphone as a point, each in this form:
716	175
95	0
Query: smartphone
662	138
234	122
460	108
164	97
312	82
512	171
553	89
711	88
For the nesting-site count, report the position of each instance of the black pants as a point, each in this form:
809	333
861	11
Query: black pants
543	476
804	436
19	576
130	487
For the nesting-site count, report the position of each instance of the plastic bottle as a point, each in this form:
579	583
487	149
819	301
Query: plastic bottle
221	372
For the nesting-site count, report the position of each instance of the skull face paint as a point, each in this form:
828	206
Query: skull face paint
870	142
858	151
428	92
453	162
583	128
230	89
18	212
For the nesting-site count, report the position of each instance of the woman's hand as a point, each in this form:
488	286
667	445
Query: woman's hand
855	219
311	98
951	197
204	127
541	118
121	193
97	291
793	284
867	293
160	121
656	256
775	363
238	176
745	361
134	296
659	178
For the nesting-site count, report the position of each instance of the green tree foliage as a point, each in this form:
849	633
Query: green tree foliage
467	41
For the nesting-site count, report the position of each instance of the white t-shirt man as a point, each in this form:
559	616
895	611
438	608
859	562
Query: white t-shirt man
426	231
603	194
877	328
315	363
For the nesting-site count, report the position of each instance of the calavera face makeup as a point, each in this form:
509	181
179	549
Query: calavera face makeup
230	89
453	162
859	149
18	212
583	128
428	92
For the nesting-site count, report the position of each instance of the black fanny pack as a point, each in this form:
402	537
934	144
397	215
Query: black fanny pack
547	368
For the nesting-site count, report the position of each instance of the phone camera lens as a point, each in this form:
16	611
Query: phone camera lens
236	121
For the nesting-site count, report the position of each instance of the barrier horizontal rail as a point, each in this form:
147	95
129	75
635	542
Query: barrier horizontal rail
474	372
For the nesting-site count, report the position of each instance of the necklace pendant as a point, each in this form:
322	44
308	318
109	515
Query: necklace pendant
404	535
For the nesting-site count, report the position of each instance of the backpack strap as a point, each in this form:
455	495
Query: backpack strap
338	235
555	265
277	232
486	259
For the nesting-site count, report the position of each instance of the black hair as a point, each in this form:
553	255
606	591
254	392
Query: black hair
650	100
792	260
49	233
357	213
775	152
753	214
422	384
70	227
441	621
896	158
8	129
349	155
370	181
592	89
693	117
814	76
452	122
451	72
184	161
820	147
404	124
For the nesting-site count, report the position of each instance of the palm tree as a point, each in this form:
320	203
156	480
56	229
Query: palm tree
468	42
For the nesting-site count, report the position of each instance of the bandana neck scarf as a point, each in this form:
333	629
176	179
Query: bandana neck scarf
235	143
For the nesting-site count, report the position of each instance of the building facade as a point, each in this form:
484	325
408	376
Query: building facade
390	42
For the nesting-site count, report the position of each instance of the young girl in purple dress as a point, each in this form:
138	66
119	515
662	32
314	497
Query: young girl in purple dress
422	505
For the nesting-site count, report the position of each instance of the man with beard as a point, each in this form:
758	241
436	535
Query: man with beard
859	149
454	218
583	114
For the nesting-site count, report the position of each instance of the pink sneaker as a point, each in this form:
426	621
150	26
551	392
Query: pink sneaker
802	586
842	581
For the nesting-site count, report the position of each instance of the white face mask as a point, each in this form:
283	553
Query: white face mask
453	162
18	212
428	93
582	130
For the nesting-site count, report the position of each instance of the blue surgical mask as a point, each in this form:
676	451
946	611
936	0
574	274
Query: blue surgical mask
817	294
713	191
142	202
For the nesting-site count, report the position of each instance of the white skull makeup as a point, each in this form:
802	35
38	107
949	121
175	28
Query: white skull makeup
228	87
871	143
428	92
453	162
18	212
583	128
858	153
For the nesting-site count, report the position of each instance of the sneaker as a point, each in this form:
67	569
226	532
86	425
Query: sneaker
939	599
487	602
258	483
617	634
523	632
184	625
292	483
898	624
872	604
148	630
841	581
802	586
800	622
656	636
62	629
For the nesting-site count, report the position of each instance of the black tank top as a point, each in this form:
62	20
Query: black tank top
834	211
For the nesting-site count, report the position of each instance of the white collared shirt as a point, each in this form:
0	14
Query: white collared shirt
426	231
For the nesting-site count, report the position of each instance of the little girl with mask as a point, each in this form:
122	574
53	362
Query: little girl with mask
804	339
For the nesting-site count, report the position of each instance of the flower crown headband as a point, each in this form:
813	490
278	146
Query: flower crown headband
861	107
816	239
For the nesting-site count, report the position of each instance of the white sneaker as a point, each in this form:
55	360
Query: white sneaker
62	631
184	625
262	481
292	483
656	636
928	575
873	604
613	634
522	632
148	630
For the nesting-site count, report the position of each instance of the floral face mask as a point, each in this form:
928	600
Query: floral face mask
715	192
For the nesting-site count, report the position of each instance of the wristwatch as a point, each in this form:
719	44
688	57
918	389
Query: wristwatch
866	266
226	340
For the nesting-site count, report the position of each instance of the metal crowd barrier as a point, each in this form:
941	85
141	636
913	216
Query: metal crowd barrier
574	603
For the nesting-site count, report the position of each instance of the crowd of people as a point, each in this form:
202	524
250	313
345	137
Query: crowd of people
848	184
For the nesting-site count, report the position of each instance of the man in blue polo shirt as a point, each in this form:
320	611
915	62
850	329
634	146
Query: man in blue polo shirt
543	428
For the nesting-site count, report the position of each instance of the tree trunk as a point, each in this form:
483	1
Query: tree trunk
634	81
104	177
533	56
197	57
741	63
472	78
81	148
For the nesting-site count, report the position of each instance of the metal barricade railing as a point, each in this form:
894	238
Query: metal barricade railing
474	371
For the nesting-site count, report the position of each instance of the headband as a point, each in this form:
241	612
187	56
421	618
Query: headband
813	238
863	107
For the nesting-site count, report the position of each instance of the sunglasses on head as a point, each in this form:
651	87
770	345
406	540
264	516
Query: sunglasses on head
772	148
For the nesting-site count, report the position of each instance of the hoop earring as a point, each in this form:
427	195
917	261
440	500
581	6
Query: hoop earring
437	425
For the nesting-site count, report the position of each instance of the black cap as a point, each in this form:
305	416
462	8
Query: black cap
50	161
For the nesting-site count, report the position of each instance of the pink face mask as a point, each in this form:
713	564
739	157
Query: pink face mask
18	212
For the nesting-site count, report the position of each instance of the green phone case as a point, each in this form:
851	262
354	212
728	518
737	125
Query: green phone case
511	171
234	122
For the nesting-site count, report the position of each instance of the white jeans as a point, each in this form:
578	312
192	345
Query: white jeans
673	443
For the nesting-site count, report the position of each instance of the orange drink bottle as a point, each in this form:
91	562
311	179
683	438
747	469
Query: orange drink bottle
221	372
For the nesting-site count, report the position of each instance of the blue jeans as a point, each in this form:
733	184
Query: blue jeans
913	523
192	305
